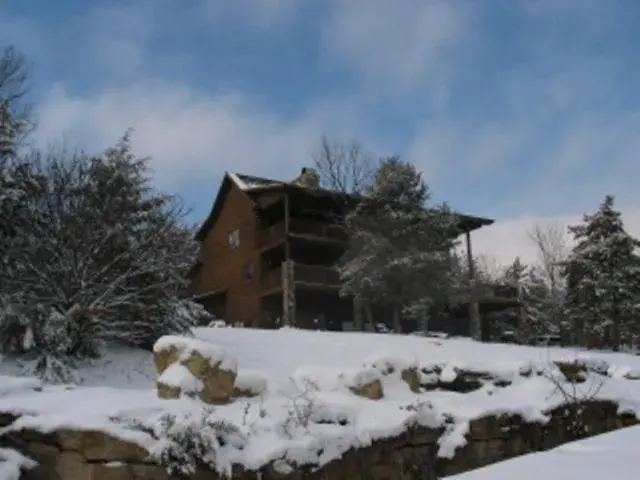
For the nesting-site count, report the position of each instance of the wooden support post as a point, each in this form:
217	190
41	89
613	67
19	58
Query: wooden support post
522	316
474	307
288	294
358	313
288	281
287	226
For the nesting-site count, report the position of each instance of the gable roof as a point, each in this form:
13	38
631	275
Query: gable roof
225	186
251	184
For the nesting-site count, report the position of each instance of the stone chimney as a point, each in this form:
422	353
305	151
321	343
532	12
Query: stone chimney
308	178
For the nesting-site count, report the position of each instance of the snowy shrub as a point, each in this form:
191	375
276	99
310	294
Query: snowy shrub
186	442
94	255
303	405
51	342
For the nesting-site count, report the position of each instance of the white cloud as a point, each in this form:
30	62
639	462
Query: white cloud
409	49
509	238
186	132
264	14
394	46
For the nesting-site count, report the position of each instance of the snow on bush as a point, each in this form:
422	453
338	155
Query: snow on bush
217	324
186	441
107	265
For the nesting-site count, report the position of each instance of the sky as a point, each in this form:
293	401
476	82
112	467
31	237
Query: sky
526	111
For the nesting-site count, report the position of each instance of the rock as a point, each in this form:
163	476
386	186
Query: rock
165	357
632	375
168	392
411	378
218	386
96	446
372	389
177	380
212	368
7	419
573	372
462	381
72	465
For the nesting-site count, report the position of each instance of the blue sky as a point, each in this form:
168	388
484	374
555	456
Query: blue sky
524	110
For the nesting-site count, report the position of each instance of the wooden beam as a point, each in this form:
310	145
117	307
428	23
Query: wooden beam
287	226
470	264
474	308
288	294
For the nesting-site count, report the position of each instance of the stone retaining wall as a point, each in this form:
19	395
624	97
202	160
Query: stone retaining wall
91	455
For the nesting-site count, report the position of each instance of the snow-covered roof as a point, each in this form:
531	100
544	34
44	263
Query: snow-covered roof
249	182
252	183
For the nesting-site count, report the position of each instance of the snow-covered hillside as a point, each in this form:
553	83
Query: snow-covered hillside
309	372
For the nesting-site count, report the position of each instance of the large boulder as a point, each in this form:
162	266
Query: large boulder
366	383
212	369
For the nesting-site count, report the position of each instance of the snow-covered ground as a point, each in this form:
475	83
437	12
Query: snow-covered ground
308	413
613	455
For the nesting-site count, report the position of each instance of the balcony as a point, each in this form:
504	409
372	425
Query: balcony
316	275
310	276
490	294
318	231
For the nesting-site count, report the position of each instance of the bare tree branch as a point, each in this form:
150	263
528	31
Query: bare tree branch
343	167
15	115
551	244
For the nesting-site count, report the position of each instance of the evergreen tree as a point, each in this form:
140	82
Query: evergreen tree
104	258
400	251
603	277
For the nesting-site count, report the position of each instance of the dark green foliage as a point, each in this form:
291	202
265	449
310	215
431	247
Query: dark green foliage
93	255
400	252
603	279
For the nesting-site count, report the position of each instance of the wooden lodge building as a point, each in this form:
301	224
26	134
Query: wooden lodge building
267	253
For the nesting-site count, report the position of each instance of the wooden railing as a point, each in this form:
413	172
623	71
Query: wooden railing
486	291
328	231
302	274
271	279
316	275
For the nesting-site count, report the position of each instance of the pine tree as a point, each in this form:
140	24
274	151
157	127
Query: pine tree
400	251
603	277
104	259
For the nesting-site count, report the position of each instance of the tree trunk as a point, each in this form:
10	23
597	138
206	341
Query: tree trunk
358	317
397	326
369	315
424	323
474	318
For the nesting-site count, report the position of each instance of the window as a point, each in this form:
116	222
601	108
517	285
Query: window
234	238
248	271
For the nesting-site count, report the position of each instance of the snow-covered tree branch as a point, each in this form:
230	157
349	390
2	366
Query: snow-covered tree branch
100	257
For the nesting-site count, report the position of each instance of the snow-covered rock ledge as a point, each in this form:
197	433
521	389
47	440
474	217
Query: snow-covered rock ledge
65	453
386	416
